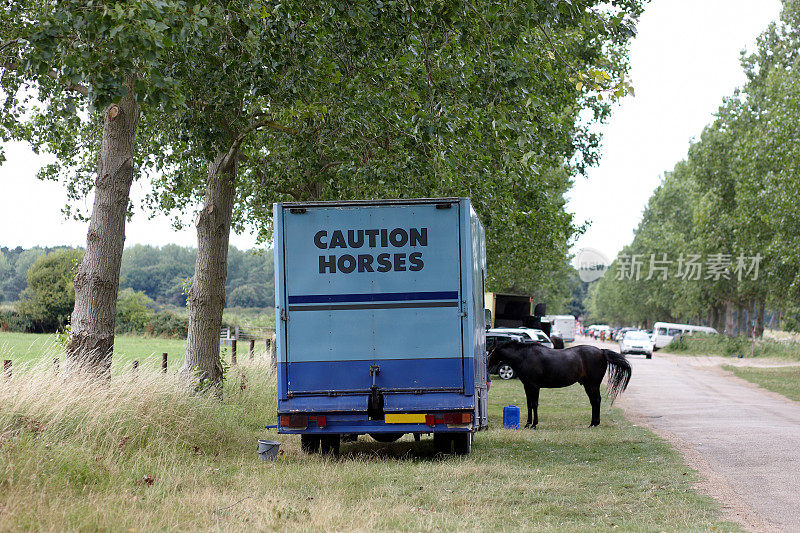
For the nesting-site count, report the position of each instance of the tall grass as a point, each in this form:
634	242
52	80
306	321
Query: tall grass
65	438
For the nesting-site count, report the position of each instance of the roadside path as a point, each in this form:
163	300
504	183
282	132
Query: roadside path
745	441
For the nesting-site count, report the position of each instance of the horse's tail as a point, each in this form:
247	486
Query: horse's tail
619	373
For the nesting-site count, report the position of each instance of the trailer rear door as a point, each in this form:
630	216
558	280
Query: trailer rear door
373	286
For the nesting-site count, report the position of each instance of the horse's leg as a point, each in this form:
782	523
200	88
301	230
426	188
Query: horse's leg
593	392
532	395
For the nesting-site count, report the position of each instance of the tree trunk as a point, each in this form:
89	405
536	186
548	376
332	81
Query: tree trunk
730	319
718	315
91	342
207	294
759	332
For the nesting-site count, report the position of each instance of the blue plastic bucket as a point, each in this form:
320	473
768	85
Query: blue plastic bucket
511	417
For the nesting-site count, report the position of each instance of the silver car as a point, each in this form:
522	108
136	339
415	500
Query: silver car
529	334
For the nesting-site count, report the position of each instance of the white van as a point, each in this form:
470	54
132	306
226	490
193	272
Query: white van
563	324
664	332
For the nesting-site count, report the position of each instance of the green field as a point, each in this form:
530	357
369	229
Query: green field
28	347
143	455
783	380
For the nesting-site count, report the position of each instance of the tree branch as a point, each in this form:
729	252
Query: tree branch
556	52
237	142
329	165
8	43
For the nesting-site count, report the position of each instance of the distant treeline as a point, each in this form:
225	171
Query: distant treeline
162	273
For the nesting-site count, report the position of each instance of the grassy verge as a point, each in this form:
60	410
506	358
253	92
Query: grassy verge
734	346
784	380
140	454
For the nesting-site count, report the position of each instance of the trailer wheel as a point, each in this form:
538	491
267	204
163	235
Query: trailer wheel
386	437
330	444
462	443
442	443
309	443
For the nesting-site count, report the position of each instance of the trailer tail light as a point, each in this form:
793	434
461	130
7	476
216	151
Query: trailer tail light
294	421
320	420
457	419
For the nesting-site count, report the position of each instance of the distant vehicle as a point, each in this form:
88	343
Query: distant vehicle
566	326
528	334
502	369
620	333
636	342
665	332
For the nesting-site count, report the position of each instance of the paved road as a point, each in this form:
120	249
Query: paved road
747	438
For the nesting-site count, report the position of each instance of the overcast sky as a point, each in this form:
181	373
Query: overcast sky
684	61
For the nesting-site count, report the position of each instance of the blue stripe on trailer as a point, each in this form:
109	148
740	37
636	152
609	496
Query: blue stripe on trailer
374	297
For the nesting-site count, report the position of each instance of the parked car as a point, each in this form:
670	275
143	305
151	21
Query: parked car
493	338
636	342
528	335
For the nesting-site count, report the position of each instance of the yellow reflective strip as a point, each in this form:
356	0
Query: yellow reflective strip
404	418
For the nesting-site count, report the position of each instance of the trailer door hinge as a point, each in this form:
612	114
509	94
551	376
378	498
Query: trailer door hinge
284	315
462	314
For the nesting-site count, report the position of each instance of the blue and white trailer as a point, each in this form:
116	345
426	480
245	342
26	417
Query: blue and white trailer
380	321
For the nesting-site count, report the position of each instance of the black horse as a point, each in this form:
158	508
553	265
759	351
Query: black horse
538	366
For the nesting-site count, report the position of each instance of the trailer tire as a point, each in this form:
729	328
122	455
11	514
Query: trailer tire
330	444
462	443
442	443
386	437
309	443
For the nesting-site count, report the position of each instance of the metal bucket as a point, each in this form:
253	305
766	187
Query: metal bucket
268	449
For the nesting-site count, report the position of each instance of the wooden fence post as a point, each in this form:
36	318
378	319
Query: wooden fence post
252	348
164	362
273	352
233	352
7	368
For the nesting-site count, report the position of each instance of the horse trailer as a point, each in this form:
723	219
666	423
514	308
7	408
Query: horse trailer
380	321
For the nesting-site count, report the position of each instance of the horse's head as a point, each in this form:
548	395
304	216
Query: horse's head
496	354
